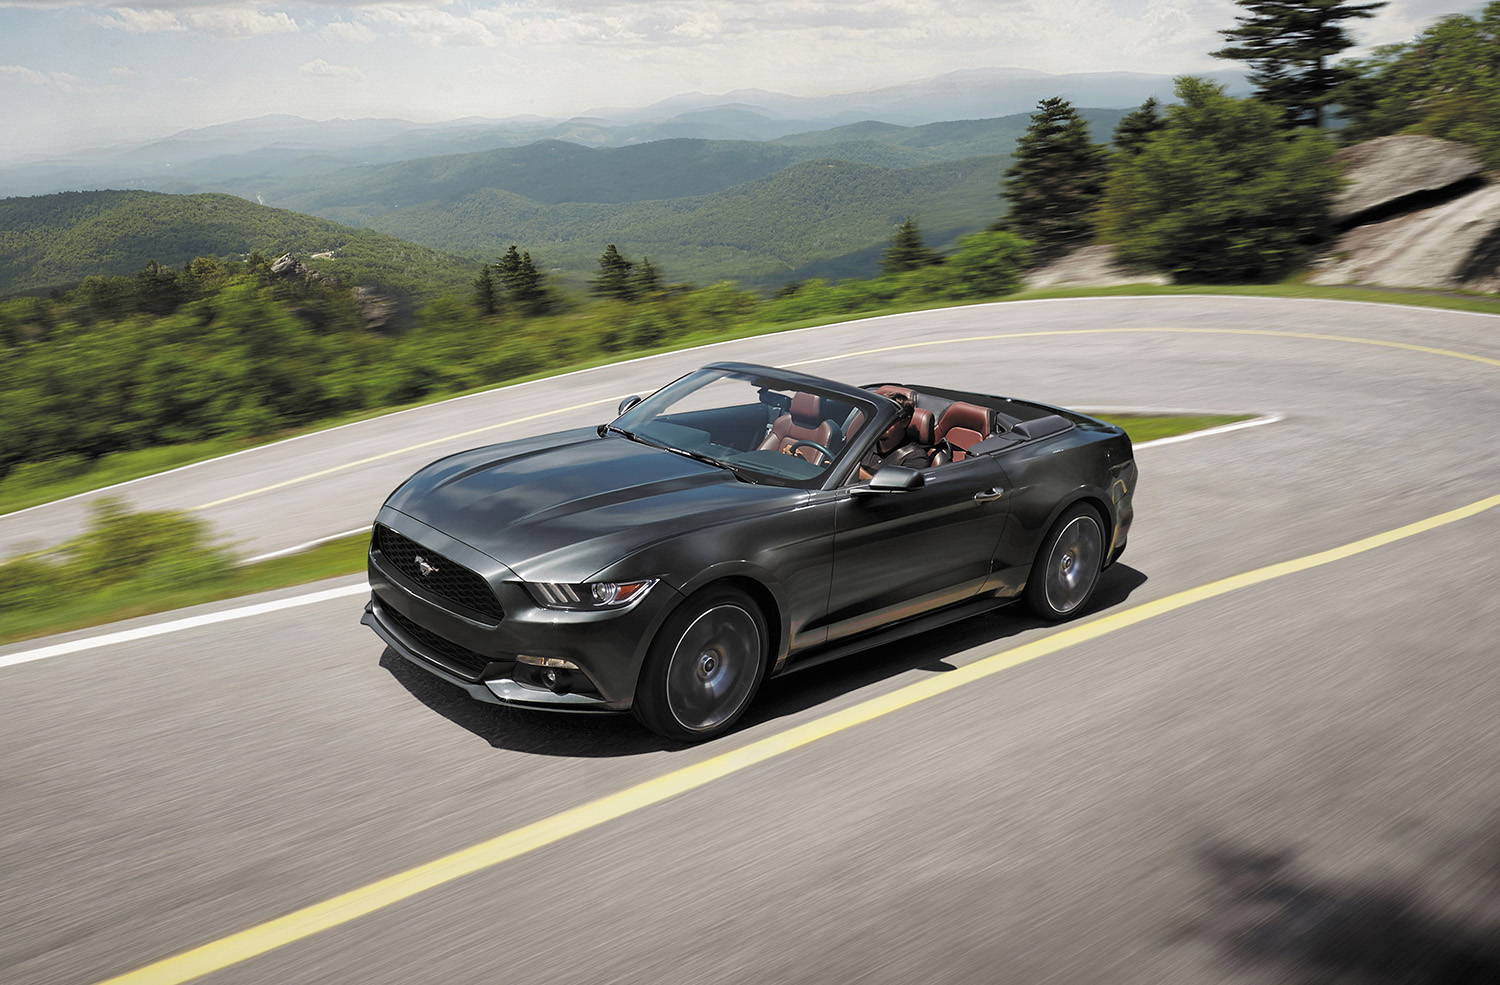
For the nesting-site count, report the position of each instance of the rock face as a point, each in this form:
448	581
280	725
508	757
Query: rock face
1417	213
1384	172
1092	266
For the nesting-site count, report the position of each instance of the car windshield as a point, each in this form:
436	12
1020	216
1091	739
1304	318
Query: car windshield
762	428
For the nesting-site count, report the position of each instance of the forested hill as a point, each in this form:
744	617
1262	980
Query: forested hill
57	240
827	218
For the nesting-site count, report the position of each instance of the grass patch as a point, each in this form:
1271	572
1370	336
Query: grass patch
345	556
1146	427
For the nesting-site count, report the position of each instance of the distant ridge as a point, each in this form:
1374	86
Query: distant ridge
203	159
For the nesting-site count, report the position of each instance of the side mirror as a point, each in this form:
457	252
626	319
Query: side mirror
891	479
627	403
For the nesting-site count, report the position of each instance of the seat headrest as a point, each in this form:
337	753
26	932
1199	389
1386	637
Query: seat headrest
923	429
891	390
806	409
963	415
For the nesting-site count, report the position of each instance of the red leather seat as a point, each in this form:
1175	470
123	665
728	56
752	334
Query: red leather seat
963	426
804	422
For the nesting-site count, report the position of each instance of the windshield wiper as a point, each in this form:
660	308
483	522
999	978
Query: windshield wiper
698	456
625	434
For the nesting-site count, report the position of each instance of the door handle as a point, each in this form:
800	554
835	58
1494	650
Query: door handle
986	495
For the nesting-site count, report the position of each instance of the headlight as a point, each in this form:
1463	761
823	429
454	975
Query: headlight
595	595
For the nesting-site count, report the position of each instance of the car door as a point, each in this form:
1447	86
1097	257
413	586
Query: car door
899	554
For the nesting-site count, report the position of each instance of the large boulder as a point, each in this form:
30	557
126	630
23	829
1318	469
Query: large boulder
1451	245
1417	212
1091	266
1389	173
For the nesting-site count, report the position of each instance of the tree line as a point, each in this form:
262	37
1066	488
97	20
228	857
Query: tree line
1214	189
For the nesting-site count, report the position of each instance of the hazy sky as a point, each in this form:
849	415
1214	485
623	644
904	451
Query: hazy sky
77	72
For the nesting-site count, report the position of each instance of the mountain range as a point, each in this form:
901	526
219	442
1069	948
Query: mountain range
755	186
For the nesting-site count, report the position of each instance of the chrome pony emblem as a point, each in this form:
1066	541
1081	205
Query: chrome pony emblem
426	567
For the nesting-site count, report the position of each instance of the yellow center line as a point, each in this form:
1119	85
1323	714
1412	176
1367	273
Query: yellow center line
367	899
345	466
402	451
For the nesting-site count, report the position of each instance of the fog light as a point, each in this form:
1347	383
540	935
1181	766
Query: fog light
526	658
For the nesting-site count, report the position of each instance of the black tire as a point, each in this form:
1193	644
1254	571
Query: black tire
703	667
1066	570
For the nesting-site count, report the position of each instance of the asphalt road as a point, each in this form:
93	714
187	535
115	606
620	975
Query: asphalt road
1297	780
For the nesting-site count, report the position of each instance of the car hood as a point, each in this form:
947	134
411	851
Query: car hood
564	507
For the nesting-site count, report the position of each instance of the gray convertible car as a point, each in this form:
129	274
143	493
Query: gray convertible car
739	523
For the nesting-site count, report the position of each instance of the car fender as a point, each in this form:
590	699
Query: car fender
770	586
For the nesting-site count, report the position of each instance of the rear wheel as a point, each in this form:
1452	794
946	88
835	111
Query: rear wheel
704	666
1066	569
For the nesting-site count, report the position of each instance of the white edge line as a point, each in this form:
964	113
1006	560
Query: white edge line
309	545
245	612
176	625
1221	429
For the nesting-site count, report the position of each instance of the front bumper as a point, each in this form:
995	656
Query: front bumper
479	654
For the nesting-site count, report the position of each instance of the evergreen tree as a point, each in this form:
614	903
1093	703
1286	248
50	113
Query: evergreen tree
1137	126
1055	182
1288	44
508	267
1223	194
613	279
485	298
907	250
1445	83
647	278
528	291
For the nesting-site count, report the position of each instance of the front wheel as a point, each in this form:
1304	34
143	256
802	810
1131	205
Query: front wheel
704	666
1067	567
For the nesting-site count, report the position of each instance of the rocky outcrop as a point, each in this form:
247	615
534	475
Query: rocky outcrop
1092	266
1395	174
1417	213
377	311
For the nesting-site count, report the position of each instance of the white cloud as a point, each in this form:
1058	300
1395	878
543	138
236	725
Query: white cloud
232	22
352	32
238	22
26	76
135	21
322	69
437	28
122	72
57	81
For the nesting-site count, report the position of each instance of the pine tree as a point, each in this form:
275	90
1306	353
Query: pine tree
528	290
1288	44
1137	126
1055	181
647	279
484	292
907	250
613	279
507	268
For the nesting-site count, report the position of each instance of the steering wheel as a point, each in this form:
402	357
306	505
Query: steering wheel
791	449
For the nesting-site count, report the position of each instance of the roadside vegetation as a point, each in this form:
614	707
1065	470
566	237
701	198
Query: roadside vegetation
135	563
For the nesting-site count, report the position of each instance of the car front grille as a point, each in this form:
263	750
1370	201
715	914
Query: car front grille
443	577
459	659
